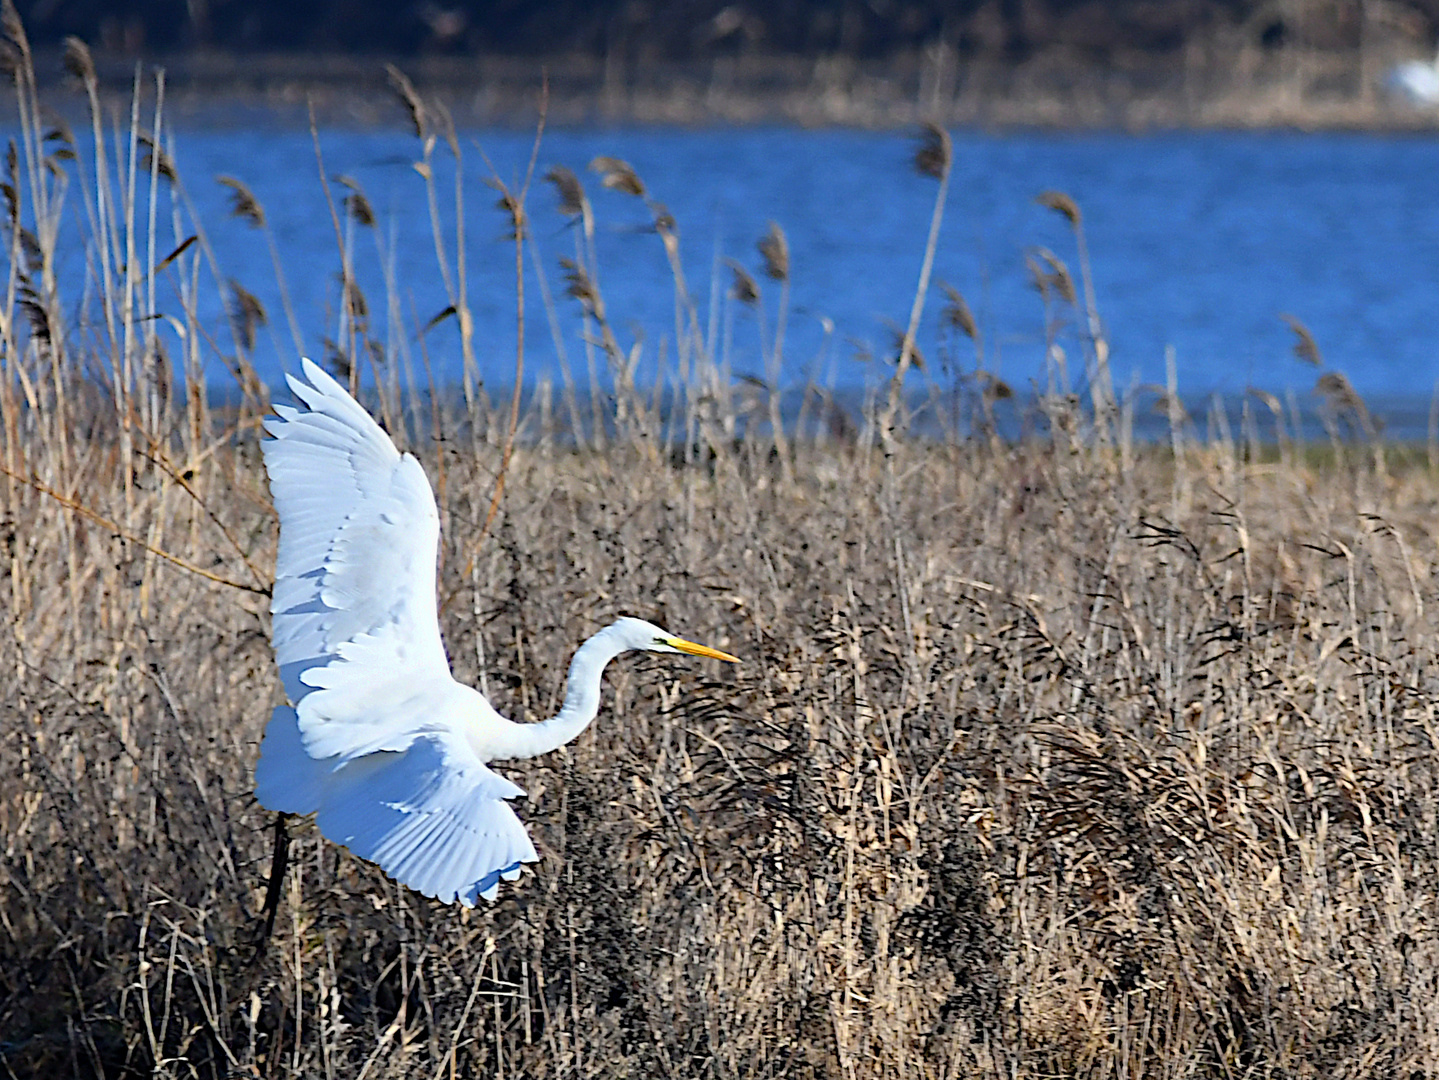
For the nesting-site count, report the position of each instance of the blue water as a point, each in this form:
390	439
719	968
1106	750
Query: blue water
1198	241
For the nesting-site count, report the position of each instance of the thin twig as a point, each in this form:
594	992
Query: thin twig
110	526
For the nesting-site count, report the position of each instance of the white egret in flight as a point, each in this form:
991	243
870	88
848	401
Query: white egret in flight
380	742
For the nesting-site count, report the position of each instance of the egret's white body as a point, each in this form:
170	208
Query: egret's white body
380	742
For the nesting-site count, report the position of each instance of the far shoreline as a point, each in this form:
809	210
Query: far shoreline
1319	92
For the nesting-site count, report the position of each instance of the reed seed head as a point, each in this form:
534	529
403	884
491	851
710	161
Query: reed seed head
59	130
61	134
35	312
355	202
935	152
1167	405
246	312
355	302
33	252
743	287
1270	402
992	388
618	175
157	159
774	249
664	221
955	313
1038	277
1305	347
1336	388
916	357
15	29
410	99
1061	203
338	361
515	210
579	285
571	192
1059	276
243	203
78	61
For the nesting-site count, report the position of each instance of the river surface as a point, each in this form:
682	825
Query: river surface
1198	242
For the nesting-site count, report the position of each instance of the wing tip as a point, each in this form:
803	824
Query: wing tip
489	885
312	370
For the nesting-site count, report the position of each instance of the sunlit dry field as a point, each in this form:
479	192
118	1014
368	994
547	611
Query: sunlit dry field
1036	766
1053	755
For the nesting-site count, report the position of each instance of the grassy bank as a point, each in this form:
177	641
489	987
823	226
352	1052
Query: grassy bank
1064	755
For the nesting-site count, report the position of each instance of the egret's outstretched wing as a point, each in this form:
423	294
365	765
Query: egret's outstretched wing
355	626
378	742
432	816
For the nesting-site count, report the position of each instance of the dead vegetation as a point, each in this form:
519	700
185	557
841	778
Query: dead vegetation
1058	756
1031	771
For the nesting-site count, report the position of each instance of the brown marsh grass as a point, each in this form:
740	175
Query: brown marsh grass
1063	756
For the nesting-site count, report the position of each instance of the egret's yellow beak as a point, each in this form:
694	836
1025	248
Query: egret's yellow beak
699	650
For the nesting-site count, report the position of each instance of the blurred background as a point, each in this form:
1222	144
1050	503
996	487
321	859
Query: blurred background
1070	60
1254	179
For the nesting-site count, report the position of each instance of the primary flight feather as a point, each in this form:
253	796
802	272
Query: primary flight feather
379	741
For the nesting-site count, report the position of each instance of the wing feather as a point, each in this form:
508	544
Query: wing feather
433	817
287	779
375	742
355	625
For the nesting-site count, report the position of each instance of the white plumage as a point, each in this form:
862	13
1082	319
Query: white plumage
379	741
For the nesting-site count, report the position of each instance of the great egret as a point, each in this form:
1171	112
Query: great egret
380	742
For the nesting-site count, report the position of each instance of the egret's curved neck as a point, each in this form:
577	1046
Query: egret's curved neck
582	699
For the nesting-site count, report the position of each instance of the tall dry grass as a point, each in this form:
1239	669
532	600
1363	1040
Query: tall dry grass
1062	756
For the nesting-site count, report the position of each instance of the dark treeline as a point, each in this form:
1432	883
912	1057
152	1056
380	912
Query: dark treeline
636	30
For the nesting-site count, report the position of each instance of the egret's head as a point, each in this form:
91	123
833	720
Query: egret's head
638	634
